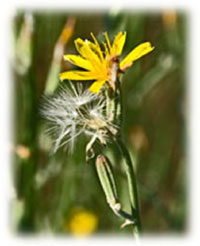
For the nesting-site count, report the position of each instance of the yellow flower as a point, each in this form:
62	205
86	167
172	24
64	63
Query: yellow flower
82	222
98	63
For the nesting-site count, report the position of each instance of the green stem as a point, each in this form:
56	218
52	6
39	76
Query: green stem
132	185
114	114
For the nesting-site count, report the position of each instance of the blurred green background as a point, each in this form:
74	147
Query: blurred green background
51	189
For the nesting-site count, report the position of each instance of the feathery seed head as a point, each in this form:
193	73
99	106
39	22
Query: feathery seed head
73	111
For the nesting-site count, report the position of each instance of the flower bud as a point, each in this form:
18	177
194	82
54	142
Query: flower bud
105	174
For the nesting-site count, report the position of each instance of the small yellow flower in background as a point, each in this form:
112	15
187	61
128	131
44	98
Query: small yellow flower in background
82	222
98	63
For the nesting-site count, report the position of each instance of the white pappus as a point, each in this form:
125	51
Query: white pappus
73	111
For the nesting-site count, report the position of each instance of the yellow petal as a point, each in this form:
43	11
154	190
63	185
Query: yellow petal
77	75
97	47
106	49
108	42
85	51
118	43
136	53
79	61
96	86
98	52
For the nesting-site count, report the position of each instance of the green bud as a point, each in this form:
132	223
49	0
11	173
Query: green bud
105	174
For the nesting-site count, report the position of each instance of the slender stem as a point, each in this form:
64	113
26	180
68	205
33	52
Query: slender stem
131	177
114	112
132	185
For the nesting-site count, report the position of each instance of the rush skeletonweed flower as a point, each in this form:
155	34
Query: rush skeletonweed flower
73	111
82	222
98	63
